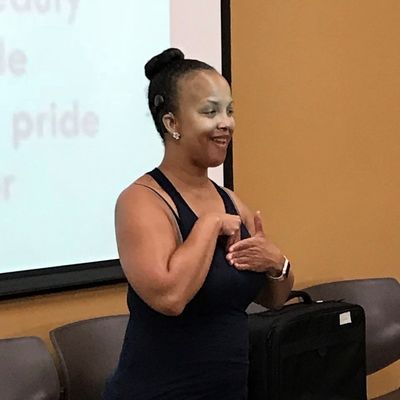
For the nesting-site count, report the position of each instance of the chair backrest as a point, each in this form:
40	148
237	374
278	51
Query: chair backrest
89	351
380	298
255	308
27	370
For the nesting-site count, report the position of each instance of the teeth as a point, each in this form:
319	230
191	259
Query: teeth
220	140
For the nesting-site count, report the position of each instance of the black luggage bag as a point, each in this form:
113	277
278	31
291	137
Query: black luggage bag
308	351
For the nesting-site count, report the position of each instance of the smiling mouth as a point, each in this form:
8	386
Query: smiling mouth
221	141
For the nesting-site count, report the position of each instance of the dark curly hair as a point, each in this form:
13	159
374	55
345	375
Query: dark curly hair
164	71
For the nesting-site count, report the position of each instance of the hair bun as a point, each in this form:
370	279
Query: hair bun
161	61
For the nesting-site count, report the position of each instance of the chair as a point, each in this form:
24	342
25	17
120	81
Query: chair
27	370
88	351
380	298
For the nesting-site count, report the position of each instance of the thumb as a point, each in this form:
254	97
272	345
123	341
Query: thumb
258	224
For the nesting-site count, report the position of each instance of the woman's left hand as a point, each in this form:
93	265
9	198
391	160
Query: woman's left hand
256	253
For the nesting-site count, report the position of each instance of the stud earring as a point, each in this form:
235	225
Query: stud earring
176	135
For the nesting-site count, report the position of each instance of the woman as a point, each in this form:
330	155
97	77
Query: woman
186	250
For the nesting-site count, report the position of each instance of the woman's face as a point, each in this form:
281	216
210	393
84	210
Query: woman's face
204	117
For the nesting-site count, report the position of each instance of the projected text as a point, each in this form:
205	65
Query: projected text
6	182
52	123
40	7
12	61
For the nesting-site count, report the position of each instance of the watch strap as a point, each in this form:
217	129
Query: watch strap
284	272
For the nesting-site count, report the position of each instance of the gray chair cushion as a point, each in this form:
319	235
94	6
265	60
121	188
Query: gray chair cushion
89	351
27	370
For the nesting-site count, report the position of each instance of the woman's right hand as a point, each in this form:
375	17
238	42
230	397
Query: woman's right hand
230	227
230	224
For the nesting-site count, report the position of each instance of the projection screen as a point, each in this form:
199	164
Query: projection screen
75	128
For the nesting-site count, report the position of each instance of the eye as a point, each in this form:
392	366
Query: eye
209	112
230	111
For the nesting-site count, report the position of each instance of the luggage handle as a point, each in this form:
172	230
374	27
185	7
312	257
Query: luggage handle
300	294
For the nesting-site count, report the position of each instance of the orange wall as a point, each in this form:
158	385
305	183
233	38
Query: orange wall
317	147
317	92
39	314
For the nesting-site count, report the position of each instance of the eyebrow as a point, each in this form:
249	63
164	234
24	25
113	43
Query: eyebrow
216	103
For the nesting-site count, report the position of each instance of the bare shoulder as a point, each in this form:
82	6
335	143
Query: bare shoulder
244	211
135	196
138	209
144	194
145	234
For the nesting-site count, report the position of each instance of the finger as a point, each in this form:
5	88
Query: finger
258	225
242	256
248	253
242	260
236	237
233	258
241	266
242	244
229	243
232	239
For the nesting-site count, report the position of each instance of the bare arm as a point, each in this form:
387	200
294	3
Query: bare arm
165	274
274	293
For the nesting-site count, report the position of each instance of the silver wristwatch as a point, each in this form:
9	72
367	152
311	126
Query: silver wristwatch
284	273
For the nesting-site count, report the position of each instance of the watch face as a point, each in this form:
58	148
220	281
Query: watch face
286	268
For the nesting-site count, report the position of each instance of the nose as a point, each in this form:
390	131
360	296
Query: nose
226	123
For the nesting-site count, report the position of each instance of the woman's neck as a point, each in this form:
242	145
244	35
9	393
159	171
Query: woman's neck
187	176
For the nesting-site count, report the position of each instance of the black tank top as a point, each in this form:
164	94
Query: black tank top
202	353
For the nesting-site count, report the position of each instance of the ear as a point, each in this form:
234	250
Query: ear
169	122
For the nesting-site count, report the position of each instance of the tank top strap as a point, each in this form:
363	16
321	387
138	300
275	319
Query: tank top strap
166	185
230	206
179	201
187	217
185	213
